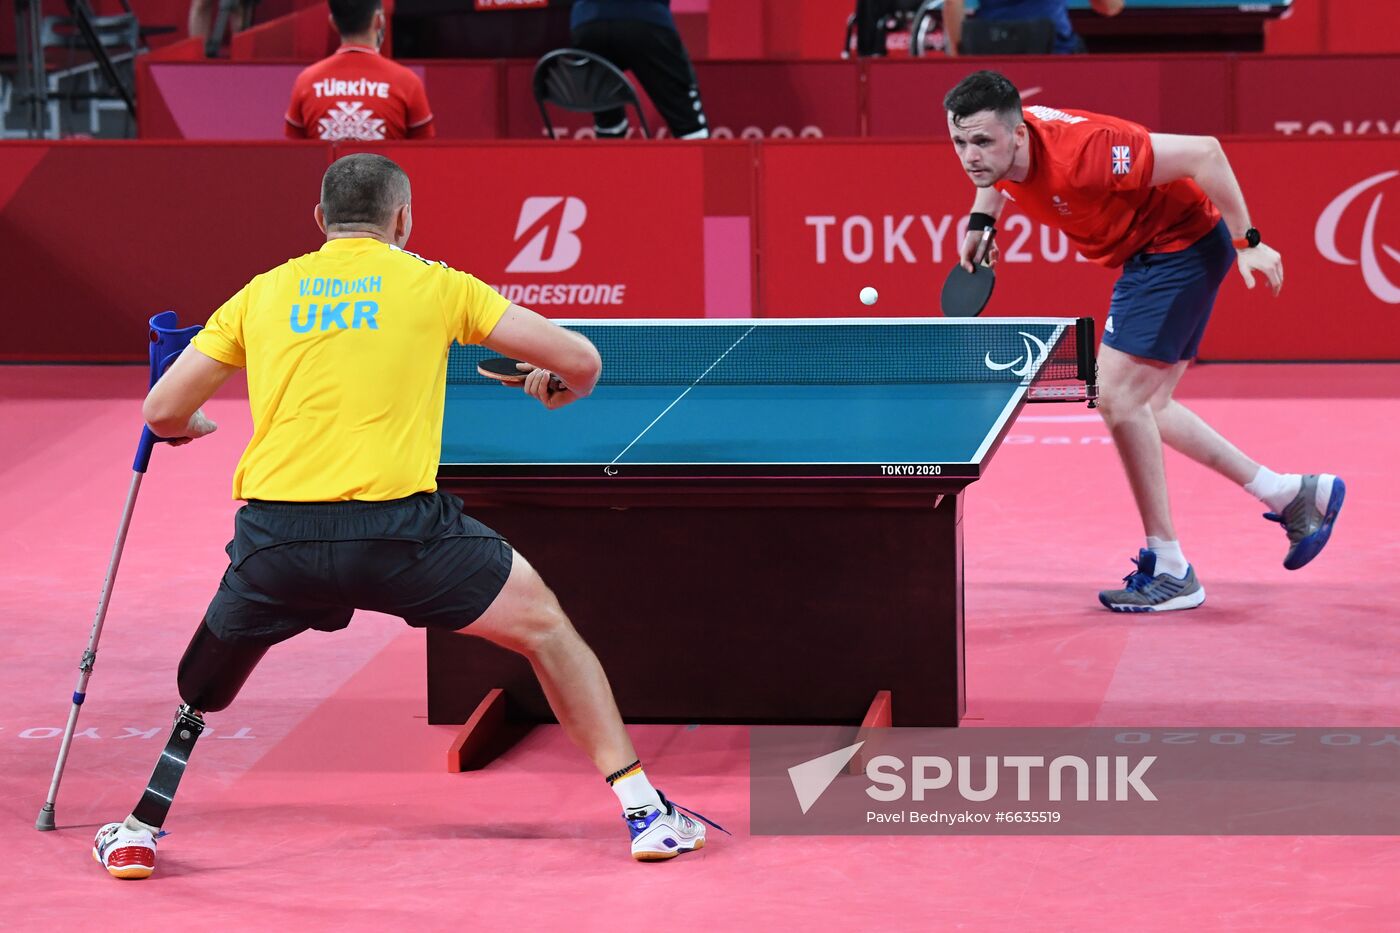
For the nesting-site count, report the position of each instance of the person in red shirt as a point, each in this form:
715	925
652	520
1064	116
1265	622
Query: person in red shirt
356	93
1168	211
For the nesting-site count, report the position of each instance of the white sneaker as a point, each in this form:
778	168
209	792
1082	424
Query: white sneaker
125	853
664	834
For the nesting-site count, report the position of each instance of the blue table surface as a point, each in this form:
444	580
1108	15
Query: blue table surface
932	423
1251	6
910	415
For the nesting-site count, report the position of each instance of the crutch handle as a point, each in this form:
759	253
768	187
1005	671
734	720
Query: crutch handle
167	342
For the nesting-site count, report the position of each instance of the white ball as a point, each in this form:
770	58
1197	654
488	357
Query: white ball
869	295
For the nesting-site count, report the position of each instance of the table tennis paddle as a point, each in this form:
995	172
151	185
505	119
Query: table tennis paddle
506	370
965	293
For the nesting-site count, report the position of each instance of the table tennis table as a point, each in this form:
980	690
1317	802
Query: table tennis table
1154	25
753	521
1183	25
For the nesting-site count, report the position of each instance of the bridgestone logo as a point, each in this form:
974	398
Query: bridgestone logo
530	295
548	228
548	234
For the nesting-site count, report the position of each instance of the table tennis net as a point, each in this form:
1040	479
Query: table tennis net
1019	350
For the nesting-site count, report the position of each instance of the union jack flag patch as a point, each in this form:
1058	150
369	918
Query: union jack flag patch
1122	160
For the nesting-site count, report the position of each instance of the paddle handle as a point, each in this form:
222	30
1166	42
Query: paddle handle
980	256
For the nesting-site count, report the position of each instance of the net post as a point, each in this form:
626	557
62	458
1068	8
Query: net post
1088	366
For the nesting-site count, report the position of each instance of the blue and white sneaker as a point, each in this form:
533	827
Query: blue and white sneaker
1149	591
1309	517
664	834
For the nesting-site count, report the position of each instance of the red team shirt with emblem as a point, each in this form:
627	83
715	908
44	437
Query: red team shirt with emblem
358	94
1090	177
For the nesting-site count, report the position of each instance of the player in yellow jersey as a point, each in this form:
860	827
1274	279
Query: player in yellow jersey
346	354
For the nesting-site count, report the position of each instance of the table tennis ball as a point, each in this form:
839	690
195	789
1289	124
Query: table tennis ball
869	296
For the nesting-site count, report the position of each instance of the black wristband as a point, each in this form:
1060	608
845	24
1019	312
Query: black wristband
979	221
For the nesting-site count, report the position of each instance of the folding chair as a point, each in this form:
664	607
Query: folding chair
584	83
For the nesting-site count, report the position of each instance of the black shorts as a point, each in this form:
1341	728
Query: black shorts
658	58
295	566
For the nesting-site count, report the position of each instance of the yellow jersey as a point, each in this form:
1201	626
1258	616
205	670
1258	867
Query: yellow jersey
346	353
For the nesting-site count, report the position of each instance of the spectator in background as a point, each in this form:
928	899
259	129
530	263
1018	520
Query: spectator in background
202	13
640	36
356	93
1066	42
870	36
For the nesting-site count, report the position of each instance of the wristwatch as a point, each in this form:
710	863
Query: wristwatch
1249	240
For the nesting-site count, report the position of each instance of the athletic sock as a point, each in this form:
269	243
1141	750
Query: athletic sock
1169	557
634	791
1275	490
135	825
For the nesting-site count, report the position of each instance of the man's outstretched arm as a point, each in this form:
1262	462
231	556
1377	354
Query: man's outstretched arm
1202	159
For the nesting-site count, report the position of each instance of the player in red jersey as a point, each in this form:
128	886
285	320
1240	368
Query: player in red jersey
356	93
1168	211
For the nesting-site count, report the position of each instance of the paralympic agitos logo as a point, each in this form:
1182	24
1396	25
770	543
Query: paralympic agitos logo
1025	364
1325	236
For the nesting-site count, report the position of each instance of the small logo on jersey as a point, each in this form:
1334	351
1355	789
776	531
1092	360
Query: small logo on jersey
547	227
1368	257
1060	206
1108	325
1122	160
1028	362
351	120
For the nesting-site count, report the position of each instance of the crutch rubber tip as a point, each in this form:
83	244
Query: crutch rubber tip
45	821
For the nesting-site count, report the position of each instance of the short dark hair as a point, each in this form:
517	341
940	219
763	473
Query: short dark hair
353	16
363	188
984	90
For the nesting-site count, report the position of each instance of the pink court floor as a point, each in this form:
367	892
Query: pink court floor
320	799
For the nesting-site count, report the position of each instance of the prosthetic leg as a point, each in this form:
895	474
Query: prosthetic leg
211	673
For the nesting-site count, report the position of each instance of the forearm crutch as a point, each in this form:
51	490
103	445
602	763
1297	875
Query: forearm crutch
166	343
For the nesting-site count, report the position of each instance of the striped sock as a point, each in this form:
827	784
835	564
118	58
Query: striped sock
634	791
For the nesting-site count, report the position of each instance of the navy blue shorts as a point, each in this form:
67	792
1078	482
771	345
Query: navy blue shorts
295	566
1162	301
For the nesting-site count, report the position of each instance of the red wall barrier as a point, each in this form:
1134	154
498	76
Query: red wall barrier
1177	94
1361	26
806	100
1342	95
194	100
97	237
306	34
214	100
1218	95
1336	26
569	230
893	222
661	229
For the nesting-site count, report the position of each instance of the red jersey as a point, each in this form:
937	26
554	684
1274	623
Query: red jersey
358	94
1089	177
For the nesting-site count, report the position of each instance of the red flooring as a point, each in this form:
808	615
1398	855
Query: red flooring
320	800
